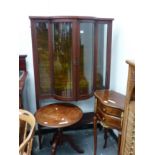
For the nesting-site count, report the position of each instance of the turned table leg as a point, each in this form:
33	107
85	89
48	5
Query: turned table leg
40	136
119	143
95	135
105	137
59	138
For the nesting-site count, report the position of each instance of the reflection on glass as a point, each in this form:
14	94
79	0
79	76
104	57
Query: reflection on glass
86	58
62	42
43	57
101	58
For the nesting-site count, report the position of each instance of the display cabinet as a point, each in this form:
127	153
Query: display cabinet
71	56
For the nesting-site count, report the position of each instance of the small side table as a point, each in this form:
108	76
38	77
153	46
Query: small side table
59	115
109	108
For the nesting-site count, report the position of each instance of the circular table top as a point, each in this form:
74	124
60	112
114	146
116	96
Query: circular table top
58	115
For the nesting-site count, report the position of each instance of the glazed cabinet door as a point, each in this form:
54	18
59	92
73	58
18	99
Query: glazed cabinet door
42	60
103	42
62	59
86	59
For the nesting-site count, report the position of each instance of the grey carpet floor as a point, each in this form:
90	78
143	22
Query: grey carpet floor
84	139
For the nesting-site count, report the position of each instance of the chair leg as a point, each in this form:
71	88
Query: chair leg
95	135
105	137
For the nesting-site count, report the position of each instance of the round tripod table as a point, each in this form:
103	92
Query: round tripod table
59	115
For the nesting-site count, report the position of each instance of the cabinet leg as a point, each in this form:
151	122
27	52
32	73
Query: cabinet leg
40	136
105	137
95	135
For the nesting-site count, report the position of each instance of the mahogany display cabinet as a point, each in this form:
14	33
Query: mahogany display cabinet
71	56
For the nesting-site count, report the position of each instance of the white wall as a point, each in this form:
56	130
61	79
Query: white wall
123	42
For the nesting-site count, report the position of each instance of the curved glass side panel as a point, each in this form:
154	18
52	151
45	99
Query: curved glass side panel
43	57
101	56
86	58
62	47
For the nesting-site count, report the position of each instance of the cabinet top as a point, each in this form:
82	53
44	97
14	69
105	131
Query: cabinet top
111	98
70	17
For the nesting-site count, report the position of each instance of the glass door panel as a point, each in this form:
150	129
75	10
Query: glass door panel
101	56
43	57
86	58
62	57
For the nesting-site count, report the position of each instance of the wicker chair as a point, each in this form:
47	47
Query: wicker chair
26	132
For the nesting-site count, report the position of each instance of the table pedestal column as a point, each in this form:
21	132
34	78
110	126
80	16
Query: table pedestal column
59	138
